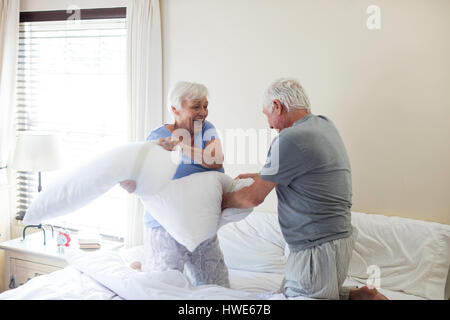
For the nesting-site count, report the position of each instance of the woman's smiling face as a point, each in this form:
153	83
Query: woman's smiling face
191	111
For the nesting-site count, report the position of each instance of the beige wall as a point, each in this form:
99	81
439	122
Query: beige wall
388	91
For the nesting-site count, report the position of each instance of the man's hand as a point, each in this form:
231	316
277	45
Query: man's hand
254	176
129	185
250	196
168	143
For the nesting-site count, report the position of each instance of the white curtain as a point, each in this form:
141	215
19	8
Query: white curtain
9	34
145	91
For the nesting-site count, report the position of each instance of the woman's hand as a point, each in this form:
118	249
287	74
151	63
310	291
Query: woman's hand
129	185
168	143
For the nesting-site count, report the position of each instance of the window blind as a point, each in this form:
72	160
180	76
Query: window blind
72	81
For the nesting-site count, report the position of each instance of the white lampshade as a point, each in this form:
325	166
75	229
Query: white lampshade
40	152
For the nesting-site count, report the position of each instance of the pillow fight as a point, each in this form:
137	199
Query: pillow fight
307	165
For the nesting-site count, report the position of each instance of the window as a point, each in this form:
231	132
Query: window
72	81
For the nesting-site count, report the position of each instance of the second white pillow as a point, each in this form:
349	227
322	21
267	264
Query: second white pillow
189	208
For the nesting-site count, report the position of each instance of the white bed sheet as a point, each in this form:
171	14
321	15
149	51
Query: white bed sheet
264	282
106	276
65	284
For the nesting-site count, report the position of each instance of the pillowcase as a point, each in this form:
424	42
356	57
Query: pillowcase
234	214
189	208
412	256
149	164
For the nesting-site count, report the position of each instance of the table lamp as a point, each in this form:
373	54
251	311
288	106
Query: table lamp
37	153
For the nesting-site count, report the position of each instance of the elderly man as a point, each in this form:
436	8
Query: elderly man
309	167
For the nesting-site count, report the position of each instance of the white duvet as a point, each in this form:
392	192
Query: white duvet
254	252
104	275
113	273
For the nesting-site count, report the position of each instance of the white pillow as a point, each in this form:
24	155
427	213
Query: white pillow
189	208
412	255
150	165
255	244
233	214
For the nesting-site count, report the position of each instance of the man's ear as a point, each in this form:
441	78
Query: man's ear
277	107
174	110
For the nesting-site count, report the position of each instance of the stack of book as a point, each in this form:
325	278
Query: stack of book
89	242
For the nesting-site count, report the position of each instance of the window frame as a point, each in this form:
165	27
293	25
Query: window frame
85	14
62	15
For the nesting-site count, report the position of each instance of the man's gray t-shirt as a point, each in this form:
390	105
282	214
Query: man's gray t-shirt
310	164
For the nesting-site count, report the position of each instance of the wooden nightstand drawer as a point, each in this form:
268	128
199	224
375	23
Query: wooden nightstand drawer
23	270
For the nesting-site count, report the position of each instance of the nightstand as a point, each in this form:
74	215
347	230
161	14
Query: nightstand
29	258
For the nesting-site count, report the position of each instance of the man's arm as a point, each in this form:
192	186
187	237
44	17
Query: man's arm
248	197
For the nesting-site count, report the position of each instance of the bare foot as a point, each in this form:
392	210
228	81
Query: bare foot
366	293
136	265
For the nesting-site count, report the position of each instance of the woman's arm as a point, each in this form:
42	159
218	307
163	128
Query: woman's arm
211	157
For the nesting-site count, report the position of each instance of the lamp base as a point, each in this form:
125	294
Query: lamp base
40	226
39	185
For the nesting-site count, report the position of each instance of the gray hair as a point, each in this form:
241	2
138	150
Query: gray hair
182	91
289	92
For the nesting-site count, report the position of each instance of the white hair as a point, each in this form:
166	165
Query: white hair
289	92
182	91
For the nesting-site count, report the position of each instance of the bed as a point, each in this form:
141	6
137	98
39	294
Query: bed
407	259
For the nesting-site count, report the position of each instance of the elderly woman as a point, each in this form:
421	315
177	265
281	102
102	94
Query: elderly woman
201	152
